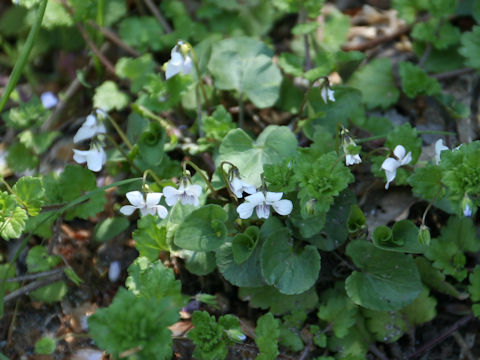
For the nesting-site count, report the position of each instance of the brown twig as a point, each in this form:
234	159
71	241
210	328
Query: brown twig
113	37
465	348
376	351
103	59
380	40
33	286
453	73
153	8
35	275
463	321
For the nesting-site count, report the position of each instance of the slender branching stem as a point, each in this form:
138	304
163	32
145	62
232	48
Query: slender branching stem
125	155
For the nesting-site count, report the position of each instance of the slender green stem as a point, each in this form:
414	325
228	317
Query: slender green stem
294	124
120	132
125	155
52	214
199	76
432	132
370	153
101	6
152	174
199	171
20	64
430	205
241	111
371	138
436	132
225	178
10	190
142	110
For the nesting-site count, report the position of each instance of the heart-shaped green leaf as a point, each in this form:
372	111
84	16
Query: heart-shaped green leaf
387	281
203	229
290	270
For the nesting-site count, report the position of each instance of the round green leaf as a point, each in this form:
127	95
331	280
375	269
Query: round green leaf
199	262
203	229
247	274
387	281
273	145
290	270
45	346
245	64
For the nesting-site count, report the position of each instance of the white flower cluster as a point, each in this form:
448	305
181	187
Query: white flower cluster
95	157
186	193
258	200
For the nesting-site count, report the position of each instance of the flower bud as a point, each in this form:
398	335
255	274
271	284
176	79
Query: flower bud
424	235
467	206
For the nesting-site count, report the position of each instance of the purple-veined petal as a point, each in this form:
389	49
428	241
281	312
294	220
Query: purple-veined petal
263	211
283	207
193	190
127	209
135	198
236	186
148	210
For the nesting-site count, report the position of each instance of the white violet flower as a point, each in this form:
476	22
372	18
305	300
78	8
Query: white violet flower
261	202
439	147
390	165
148	206
327	94
89	129
188	195
179	62
49	100
95	157
238	187
352	159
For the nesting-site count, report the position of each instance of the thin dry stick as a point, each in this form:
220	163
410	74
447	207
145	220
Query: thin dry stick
103	59
110	35
376	351
153	8
33	286
453	73
463	321
35	275
465	348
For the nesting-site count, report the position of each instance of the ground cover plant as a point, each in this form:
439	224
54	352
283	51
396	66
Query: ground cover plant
292	179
